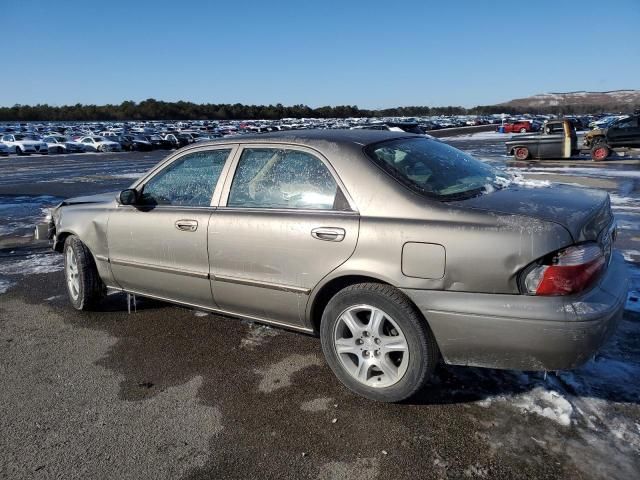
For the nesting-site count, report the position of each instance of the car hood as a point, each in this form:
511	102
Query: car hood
99	198
595	132
583	212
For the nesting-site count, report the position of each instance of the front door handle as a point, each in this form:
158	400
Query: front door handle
328	234
187	225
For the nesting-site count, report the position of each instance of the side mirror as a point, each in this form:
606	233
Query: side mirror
128	197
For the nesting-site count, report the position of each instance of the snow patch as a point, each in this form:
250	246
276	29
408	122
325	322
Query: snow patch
33	264
5	285
258	334
539	401
633	296
588	172
546	403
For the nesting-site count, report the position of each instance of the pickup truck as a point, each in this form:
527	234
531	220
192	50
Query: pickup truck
514	127
624	132
557	139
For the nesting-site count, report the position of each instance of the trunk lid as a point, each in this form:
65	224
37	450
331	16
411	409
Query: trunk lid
583	212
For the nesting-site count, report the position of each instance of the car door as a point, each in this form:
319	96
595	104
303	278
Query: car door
551	143
623	133
88	144
159	246
284	223
634	134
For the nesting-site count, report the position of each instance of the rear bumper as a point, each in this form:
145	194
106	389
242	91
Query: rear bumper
525	332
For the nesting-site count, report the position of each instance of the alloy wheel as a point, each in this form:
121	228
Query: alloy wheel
72	274
370	346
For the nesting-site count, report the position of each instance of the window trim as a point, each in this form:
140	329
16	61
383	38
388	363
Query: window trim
176	157
226	190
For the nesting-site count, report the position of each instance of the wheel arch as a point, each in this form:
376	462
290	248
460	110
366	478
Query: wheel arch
513	149
61	237
321	296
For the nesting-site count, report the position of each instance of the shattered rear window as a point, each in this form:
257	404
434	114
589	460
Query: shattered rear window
432	168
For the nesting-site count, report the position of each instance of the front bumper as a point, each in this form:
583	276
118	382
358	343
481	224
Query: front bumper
525	332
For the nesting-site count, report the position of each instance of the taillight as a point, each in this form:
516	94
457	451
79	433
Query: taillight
568	271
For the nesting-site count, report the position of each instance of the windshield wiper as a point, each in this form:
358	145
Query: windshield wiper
454	197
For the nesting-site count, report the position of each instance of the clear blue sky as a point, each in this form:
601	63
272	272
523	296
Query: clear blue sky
372	54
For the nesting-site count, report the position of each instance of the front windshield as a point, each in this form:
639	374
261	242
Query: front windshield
434	169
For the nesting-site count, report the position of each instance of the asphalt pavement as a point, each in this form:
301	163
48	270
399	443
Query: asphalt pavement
168	392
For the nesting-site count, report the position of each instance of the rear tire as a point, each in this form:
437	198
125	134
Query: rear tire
388	359
521	153
19	151
600	152
84	285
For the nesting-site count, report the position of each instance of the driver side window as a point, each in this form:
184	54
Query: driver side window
189	181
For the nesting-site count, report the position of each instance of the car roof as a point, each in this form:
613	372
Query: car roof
316	138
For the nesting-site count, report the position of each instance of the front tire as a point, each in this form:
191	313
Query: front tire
523	130
600	152
377	343
84	285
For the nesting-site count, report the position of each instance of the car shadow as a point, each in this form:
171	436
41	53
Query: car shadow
611	375
165	345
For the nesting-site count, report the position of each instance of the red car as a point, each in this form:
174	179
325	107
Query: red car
515	127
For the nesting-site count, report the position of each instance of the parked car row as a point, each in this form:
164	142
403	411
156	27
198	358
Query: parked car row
57	138
528	123
28	143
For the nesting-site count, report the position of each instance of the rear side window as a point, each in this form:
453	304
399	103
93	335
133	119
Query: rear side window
189	181
433	168
277	178
628	123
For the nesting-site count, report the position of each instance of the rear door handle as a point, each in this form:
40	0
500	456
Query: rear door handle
328	234
187	225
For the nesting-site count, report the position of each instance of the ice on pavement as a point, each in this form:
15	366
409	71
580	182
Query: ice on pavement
491	135
32	264
5	284
582	171
132	175
633	297
19	214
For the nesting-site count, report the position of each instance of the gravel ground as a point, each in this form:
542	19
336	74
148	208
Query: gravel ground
168	392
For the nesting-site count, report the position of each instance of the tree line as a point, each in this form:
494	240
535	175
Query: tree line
152	109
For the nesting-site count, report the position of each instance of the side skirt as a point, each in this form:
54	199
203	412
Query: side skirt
219	311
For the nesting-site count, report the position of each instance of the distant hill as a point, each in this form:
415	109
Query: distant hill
613	100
